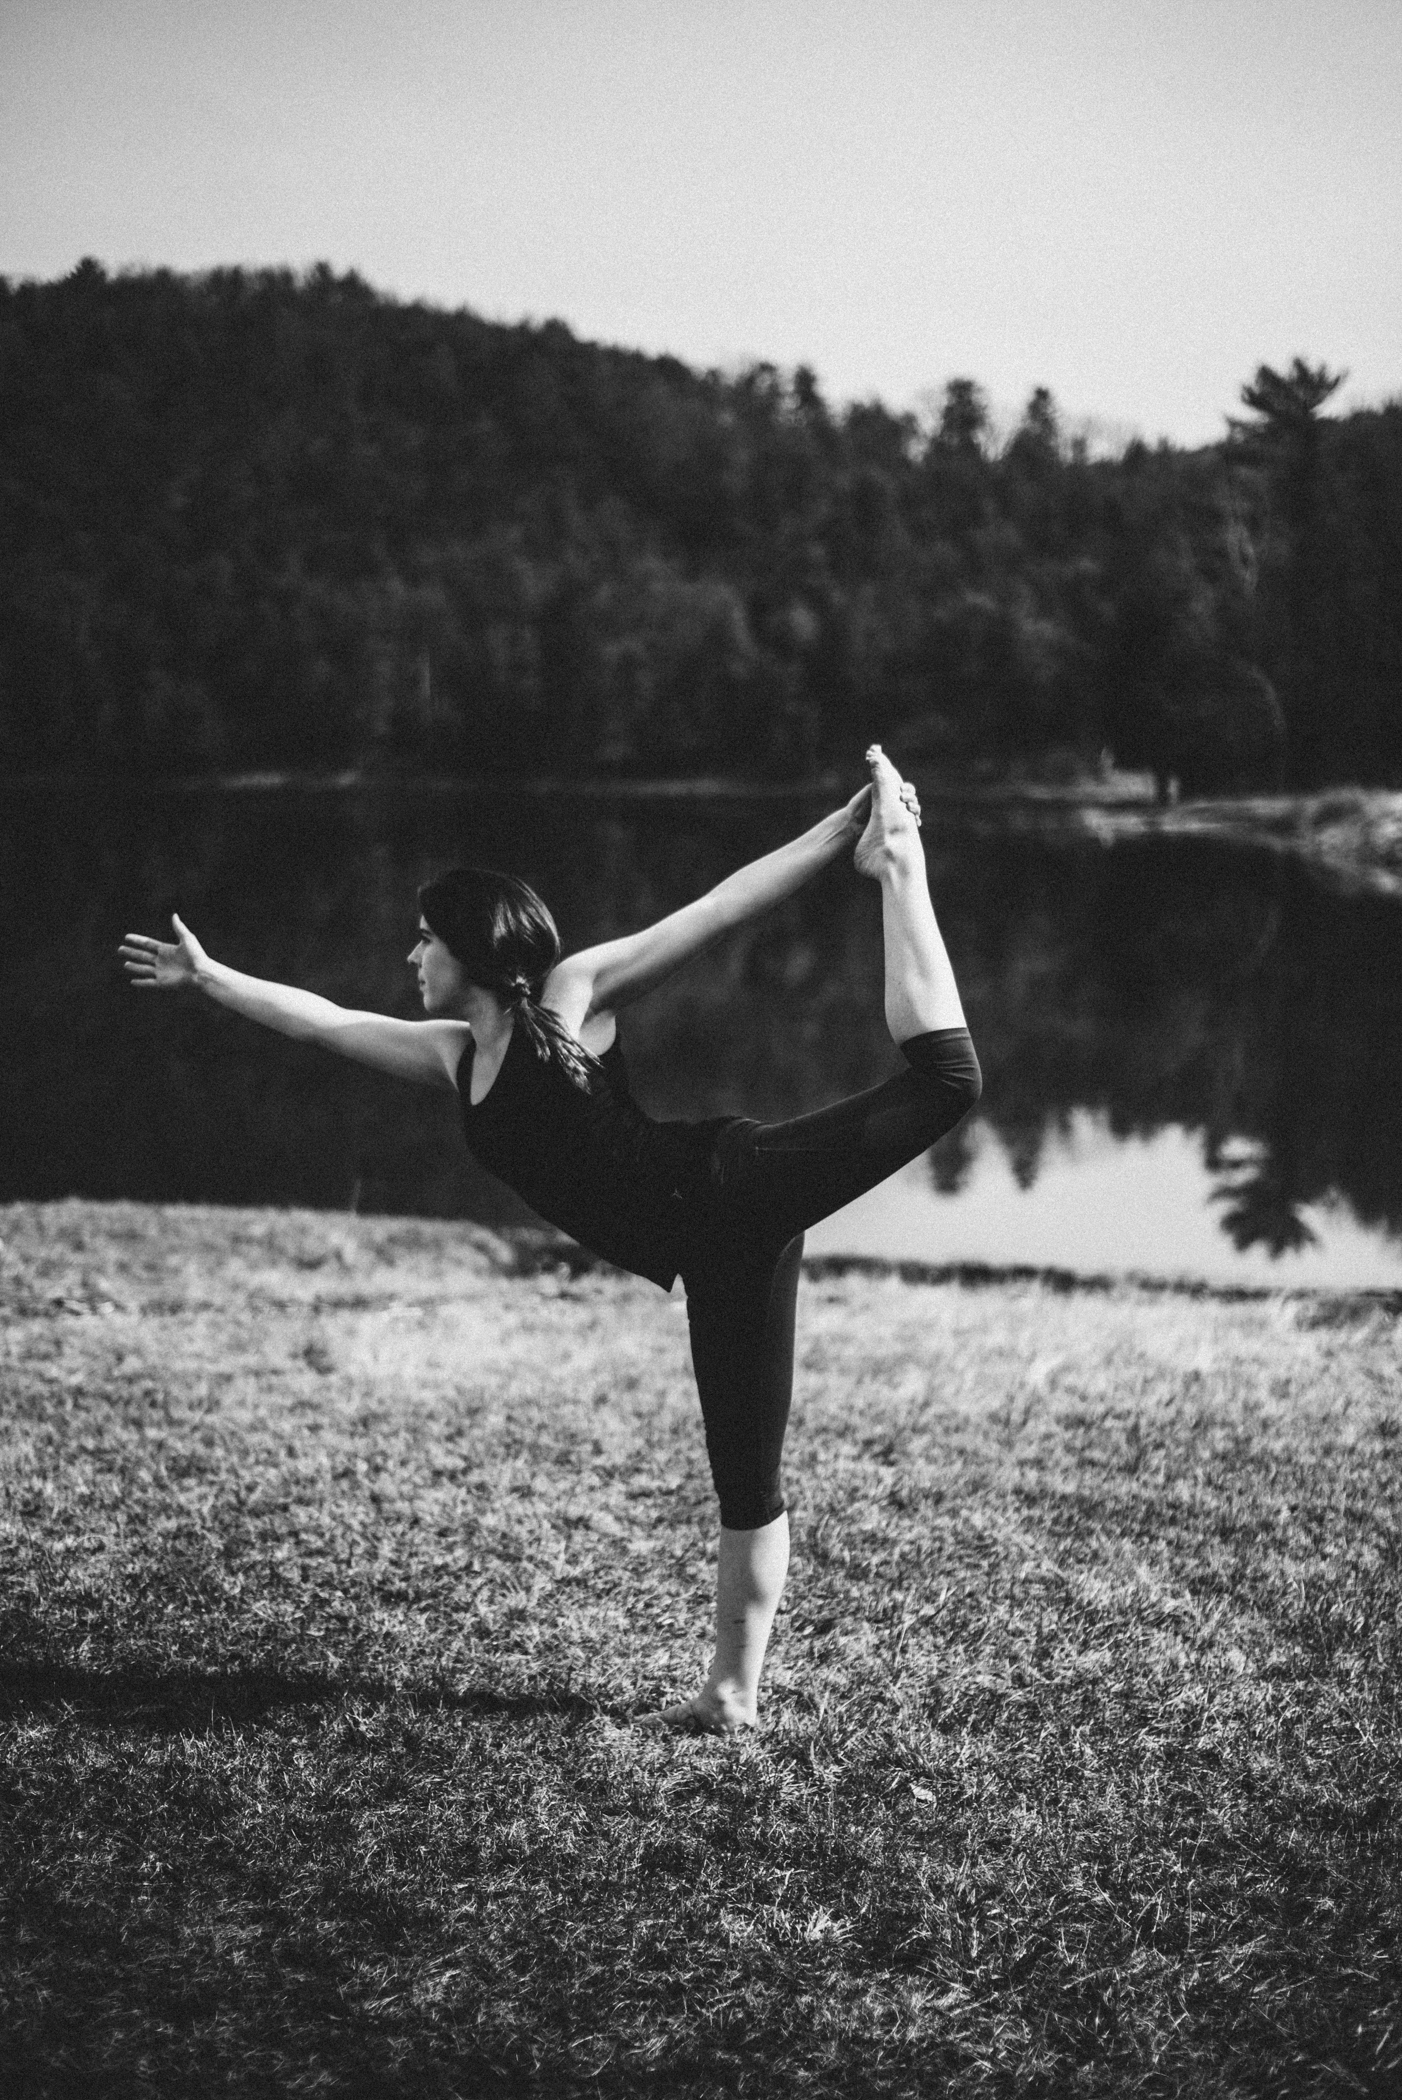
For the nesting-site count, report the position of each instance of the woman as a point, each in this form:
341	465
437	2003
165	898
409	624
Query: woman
530	1043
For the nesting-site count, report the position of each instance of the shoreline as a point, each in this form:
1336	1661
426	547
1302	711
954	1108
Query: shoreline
524	1253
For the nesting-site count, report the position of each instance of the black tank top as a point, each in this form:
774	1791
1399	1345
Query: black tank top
590	1161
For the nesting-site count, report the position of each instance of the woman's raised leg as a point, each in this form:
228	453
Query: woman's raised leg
780	1178
921	994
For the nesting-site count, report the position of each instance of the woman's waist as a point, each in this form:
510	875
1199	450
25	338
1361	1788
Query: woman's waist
621	1166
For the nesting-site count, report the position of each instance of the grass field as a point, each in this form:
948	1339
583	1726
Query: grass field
339	1552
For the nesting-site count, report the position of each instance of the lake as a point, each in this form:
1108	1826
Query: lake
1190	1051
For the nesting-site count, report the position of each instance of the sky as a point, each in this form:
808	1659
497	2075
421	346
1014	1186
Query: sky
1133	202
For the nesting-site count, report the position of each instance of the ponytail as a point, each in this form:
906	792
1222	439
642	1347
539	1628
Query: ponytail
552	1042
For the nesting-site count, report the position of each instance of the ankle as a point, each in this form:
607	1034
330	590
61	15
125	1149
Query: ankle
900	859
726	1705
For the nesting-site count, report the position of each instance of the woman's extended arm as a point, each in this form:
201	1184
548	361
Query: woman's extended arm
425	1051
601	980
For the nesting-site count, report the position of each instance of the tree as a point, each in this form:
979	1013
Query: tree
1290	400
1036	442
1296	571
963	425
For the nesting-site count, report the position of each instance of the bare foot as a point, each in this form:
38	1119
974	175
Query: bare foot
893	828
709	1713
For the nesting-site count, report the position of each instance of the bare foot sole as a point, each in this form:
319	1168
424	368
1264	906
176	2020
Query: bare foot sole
697	1716
893	828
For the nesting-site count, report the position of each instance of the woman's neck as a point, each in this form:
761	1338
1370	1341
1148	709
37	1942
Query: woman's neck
489	1020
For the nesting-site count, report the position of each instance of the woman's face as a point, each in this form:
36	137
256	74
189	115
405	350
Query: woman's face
441	979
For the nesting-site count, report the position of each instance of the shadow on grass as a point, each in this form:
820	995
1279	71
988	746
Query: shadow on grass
184	1700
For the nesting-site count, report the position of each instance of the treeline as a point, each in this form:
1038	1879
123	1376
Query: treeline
255	520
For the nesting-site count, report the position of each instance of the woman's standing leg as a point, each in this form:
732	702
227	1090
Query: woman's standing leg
750	1571
741	1299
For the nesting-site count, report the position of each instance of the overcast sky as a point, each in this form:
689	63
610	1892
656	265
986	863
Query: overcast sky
1134	202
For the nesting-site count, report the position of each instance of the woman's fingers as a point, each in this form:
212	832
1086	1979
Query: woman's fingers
151	966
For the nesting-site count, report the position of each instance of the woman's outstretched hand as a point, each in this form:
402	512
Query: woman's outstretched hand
162	966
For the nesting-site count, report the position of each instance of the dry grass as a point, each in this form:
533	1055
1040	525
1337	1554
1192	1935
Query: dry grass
337	1554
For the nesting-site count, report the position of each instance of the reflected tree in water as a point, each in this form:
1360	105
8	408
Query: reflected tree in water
1261	1208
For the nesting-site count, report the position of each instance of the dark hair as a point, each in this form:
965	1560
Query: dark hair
504	937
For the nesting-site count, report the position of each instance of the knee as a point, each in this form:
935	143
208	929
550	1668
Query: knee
751	1506
971	1085
947	1060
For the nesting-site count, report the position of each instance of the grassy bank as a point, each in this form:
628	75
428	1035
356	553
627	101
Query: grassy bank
337	1554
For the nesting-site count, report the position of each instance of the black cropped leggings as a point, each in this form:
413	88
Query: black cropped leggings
764	1184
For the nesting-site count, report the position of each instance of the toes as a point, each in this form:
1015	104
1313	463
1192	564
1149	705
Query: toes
694	1717
675	1720
885	780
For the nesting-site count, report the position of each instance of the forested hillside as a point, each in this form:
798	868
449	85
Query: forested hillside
256	520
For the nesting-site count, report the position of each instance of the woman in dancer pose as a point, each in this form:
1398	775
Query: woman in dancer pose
530	1042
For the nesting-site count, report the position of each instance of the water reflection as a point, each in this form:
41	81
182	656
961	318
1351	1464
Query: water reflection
1102	1205
1189	995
